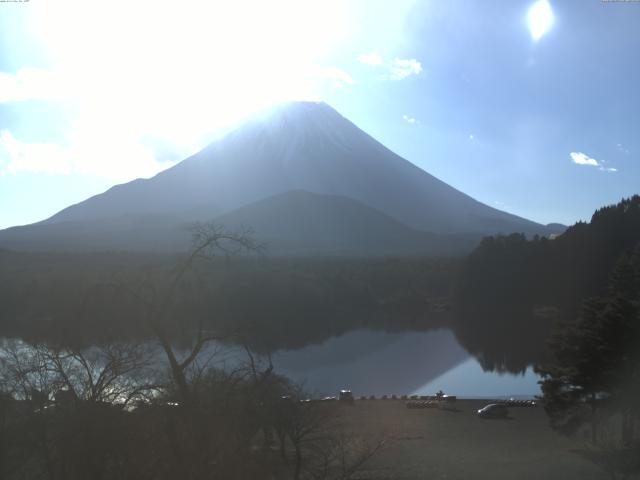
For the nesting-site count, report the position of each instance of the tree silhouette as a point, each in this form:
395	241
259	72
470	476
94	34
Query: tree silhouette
593	377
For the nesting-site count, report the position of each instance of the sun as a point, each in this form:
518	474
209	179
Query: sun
540	19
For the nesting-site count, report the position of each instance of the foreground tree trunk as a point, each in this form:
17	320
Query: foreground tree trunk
298	469
594	420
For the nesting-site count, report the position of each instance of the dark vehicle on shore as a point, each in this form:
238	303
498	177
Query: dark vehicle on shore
494	410
346	396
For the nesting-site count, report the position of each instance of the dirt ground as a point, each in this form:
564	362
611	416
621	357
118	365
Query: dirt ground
439	444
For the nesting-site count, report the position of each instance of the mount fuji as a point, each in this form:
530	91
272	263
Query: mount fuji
303	177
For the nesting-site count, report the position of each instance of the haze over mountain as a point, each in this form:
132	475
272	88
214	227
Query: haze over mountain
299	223
303	176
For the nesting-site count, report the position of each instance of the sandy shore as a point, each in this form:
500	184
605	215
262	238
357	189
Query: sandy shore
439	444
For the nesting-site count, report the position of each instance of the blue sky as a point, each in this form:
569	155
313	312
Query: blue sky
528	106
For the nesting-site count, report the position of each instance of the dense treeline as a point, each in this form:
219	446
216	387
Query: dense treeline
595	358
272	303
591	379
292	303
512	291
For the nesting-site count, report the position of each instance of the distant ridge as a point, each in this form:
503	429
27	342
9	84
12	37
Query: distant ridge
299	223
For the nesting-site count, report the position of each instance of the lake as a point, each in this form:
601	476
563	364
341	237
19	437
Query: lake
375	362
402	363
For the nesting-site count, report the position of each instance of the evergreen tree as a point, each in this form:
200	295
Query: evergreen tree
511	291
594	373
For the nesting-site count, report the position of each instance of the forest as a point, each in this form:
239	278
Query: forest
512	292
273	303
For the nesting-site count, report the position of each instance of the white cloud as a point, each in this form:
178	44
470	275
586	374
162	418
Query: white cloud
120	161
583	159
338	76
397	69
409	119
30	84
370	58
580	158
16	156
622	149
402	68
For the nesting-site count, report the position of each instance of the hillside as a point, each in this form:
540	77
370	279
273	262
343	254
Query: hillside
303	223
295	223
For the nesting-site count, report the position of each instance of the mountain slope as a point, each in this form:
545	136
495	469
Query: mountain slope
299	223
293	223
301	146
136	233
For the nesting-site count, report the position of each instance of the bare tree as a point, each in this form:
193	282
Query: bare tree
188	428
209	240
342	456
111	373
69	403
322	449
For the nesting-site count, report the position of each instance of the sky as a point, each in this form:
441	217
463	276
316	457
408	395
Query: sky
532	107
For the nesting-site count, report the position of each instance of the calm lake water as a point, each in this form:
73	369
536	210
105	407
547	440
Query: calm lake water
379	363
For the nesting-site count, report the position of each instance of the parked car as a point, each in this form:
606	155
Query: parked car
346	396
493	410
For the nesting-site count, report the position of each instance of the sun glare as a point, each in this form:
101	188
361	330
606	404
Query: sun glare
540	19
177	70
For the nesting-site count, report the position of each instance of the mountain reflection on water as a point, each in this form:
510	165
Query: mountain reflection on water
378	363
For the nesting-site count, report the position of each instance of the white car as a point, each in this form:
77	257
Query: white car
494	410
